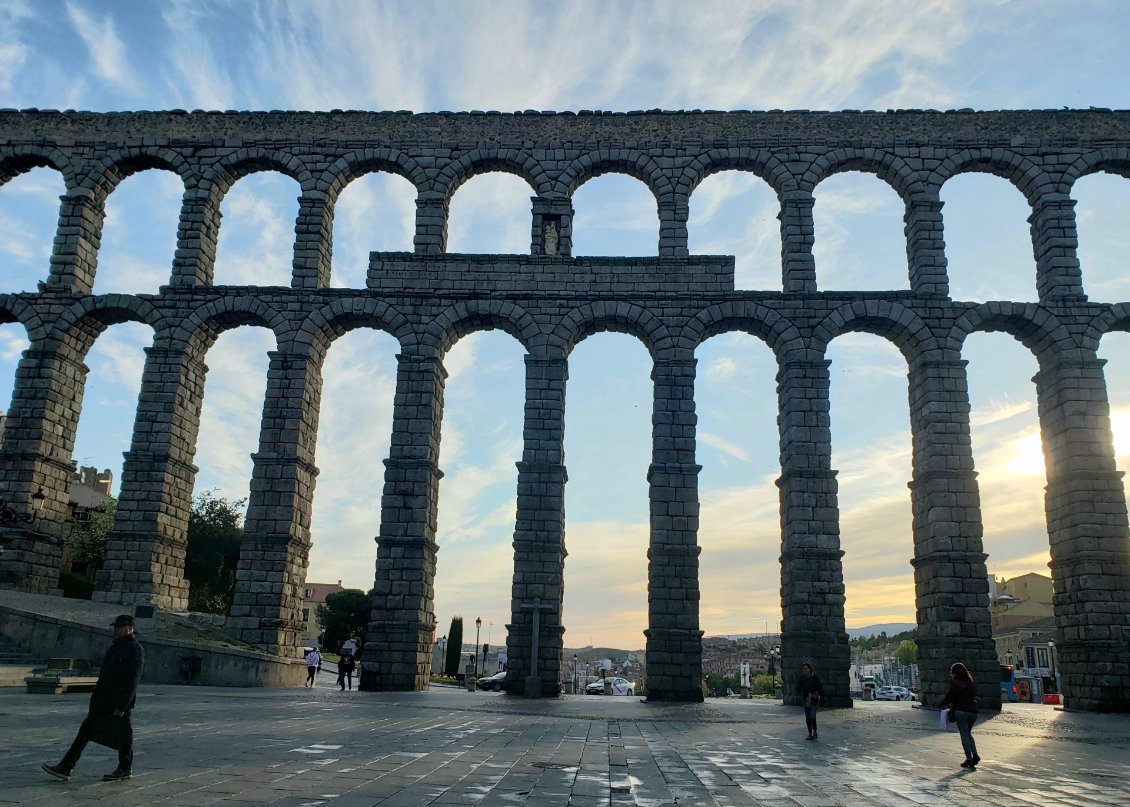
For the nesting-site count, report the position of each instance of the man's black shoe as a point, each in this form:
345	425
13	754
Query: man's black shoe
117	776
57	772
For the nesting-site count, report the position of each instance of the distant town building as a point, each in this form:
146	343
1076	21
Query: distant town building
1019	600
90	492
313	595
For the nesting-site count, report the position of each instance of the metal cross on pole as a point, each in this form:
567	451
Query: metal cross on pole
533	680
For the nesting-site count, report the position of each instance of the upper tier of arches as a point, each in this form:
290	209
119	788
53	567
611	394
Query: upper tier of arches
1044	177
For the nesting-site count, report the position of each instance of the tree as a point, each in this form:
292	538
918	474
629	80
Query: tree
454	647
215	530
344	616
907	652
89	529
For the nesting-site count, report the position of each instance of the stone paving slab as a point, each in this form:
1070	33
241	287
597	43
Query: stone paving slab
447	747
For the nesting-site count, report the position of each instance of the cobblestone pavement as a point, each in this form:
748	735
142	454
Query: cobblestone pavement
306	747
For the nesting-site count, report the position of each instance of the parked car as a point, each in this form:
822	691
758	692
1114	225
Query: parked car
620	686
493	682
893	694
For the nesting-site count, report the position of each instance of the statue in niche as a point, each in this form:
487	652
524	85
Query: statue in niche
550	233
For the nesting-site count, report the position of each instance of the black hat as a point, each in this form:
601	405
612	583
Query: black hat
123	620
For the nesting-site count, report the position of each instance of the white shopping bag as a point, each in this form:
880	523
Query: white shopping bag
943	720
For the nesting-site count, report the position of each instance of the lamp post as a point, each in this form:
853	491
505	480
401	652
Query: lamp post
574	673
1051	661
9	516
478	625
443	655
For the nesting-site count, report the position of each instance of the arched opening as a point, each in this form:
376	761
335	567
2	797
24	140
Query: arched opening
859	243
615	214
490	213
739	524
1101	212
255	246
104	434
484	400
1115	349
354	429
735	213
139	237
230	422
1008	455
375	212
871	453
607	452
29	217
13	342
988	242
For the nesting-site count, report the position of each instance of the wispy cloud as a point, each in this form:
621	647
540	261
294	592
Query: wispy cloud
196	74
107	51
724	446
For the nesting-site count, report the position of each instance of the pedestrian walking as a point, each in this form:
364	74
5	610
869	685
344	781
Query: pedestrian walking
313	662
962	702
108	717
811	693
345	666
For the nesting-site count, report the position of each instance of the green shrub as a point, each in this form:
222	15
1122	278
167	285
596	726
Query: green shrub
76	586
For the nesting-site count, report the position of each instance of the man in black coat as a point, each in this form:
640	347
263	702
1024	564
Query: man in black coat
108	719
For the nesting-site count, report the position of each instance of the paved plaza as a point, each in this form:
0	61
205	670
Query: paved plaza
305	747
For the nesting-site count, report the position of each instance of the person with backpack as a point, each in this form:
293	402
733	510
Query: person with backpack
345	667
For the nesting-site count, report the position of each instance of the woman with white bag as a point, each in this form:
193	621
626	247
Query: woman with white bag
962	702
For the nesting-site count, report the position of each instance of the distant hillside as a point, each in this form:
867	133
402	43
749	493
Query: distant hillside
891	628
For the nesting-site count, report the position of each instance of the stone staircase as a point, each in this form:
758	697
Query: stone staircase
15	663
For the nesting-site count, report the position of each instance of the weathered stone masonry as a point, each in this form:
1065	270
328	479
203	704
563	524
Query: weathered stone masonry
550	301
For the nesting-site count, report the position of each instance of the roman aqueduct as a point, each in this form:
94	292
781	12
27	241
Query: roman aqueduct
549	301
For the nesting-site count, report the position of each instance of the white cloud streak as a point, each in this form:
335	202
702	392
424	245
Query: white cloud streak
107	51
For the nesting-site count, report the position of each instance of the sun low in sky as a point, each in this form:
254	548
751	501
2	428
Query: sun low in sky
431	56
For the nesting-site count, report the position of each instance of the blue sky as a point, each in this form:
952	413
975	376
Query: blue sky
602	55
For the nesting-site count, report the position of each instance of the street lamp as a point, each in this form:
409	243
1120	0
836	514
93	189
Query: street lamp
574	673
9	516
1051	660
478	624
443	655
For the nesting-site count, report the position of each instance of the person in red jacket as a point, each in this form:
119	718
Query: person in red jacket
962	697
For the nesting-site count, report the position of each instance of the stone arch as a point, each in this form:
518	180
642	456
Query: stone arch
333	180
15	309
219	177
1032	325
483	161
203	325
1114	318
325	325
1026	176
616	161
889	320
463	318
86	320
759	162
891	169
116	166
21	159
1114	160
618	317
777	331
